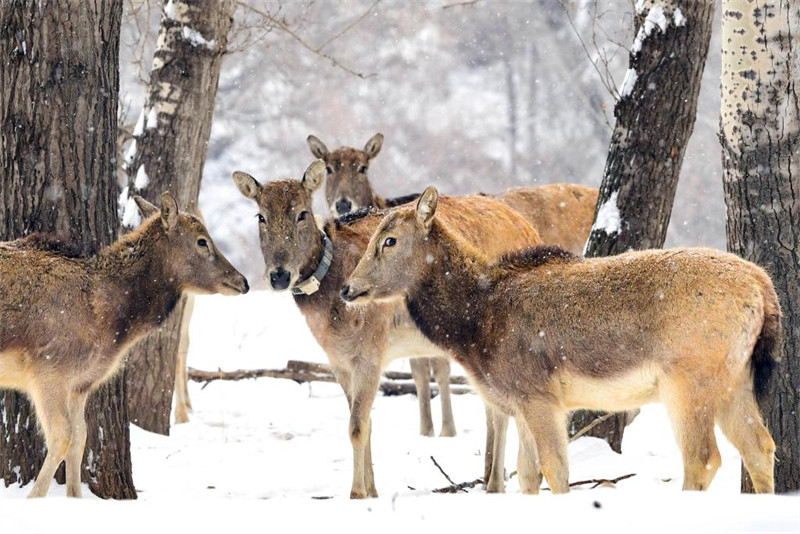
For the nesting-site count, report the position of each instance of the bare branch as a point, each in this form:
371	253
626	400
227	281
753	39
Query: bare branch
461	4
591	425
317	50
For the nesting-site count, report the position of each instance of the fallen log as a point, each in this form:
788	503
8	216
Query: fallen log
300	372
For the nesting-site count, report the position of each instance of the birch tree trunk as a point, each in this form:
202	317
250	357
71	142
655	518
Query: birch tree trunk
167	154
760	136
655	117
59	80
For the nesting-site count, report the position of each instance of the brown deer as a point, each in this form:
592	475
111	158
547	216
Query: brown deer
68	320
543	332
561	213
347	189
359	342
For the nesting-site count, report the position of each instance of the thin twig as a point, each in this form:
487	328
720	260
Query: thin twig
317	50
450	480
461	486
591	425
349	26
461	4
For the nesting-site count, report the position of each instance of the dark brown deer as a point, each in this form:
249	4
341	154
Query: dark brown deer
543	332
561	213
68	320
359	342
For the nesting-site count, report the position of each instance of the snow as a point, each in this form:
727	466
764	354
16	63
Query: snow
678	17
274	455
130	155
628	83
608	217
152	119
655	18
194	37
142	180
139	128
131	217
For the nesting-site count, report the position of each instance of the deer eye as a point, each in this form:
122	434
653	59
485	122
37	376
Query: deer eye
202	243
261	218
389	242
328	168
362	169
302	216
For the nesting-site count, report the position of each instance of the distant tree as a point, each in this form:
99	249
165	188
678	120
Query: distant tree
59	80
167	153
760	136
655	116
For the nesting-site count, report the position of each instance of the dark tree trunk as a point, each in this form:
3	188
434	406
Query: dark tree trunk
168	154
760	135
655	117
59	80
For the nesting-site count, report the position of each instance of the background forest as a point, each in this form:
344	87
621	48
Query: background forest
475	97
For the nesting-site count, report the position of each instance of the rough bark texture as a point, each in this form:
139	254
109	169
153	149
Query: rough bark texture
59	80
168	154
655	117
760	136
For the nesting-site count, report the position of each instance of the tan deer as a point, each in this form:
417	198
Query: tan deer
183	404
562	214
543	332
313	264
68	320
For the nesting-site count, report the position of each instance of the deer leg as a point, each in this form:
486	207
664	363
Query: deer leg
369	475
77	416
441	372
740	421
361	385
51	409
183	404
692	419
421	373
528	468
488	456
496	482
546	422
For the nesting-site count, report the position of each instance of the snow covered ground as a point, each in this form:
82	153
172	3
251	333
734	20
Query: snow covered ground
272	455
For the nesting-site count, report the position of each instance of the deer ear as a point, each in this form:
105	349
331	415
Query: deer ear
317	147
426	207
248	185
374	145
314	175
145	207
169	210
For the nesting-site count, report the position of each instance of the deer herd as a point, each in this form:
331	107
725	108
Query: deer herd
494	282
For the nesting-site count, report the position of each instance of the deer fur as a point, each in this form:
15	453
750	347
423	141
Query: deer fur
360	342
68	320
543	332
562	214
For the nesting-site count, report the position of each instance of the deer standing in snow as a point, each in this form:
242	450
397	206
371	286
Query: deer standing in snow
68	320
543	332
562	214
313	264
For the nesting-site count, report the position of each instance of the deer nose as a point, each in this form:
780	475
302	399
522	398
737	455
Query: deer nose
279	278
343	206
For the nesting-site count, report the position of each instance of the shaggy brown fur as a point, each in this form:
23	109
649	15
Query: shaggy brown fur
67	320
542	338
360	342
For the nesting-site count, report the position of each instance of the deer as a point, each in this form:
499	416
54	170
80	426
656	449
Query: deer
68	319
562	214
313	264
542	332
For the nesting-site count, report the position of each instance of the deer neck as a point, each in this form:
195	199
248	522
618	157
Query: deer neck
138	293
449	301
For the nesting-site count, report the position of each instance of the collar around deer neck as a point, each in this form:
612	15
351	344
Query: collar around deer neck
310	285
